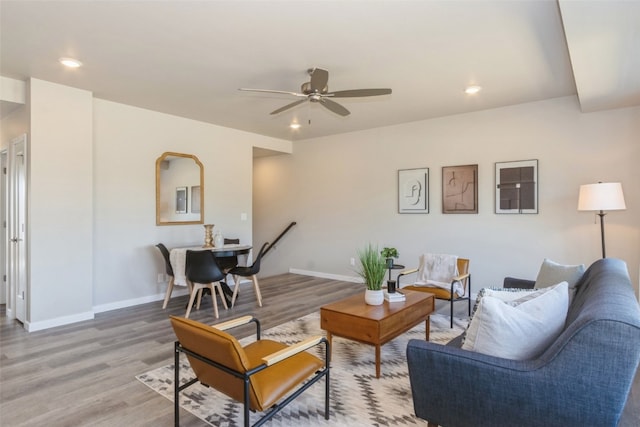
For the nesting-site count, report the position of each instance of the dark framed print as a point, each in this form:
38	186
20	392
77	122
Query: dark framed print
517	187
181	200
460	189
413	190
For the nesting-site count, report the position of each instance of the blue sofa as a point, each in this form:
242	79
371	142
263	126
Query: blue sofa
582	379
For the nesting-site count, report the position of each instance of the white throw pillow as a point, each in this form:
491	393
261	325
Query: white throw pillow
552	273
519	329
504	294
510	294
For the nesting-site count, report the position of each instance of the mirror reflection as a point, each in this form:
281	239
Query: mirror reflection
179	189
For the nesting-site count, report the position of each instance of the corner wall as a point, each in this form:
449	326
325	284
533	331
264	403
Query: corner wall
127	142
60	204
342	191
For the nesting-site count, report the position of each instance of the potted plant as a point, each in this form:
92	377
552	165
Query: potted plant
389	254
373	269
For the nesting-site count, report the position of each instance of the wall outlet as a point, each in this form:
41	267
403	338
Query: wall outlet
352	261
160	277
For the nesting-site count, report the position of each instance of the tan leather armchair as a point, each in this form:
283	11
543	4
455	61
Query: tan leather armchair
265	375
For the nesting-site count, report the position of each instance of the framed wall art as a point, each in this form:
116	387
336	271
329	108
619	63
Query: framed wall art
460	189
195	199
413	190
517	187
181	200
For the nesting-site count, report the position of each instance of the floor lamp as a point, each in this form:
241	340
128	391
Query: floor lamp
603	196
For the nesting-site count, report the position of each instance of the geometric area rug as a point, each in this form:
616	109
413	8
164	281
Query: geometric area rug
357	397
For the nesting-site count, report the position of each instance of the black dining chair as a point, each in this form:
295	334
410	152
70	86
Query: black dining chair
252	272
202	270
226	263
167	263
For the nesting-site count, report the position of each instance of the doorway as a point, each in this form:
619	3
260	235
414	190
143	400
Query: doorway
15	235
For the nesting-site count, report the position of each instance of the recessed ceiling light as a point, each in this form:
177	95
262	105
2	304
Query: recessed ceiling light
70	62
470	90
294	125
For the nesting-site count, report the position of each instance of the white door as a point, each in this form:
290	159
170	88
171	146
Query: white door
17	226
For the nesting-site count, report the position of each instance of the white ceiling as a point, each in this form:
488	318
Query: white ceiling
188	58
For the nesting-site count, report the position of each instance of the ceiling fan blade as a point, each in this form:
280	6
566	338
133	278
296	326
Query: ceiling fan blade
286	107
272	91
355	93
319	79
335	107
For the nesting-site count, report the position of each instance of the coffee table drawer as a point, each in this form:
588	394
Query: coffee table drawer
401	322
348	326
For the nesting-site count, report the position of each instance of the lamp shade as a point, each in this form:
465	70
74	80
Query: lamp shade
603	196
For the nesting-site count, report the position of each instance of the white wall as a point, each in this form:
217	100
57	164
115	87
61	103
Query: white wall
60	203
342	191
127	142
92	216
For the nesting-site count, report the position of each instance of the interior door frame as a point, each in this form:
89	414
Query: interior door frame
17	272
4	235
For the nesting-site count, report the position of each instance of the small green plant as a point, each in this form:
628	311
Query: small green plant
373	267
389	253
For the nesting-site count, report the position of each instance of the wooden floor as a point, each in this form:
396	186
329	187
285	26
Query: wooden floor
84	374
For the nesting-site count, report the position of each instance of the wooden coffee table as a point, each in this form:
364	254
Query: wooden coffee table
376	325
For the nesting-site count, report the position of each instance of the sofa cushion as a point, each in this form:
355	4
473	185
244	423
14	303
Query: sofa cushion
505	294
552	273
521	328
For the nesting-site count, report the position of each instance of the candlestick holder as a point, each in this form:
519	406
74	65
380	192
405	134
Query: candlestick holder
208	235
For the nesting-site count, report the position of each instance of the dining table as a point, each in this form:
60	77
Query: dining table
178	256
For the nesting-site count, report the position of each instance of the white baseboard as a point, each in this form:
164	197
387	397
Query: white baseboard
137	301
58	321
66	320
326	275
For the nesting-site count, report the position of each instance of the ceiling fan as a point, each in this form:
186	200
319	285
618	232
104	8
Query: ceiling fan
316	90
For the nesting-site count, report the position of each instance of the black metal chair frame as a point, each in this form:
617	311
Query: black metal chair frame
462	298
246	377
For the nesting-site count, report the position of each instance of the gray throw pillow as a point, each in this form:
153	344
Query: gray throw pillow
551	273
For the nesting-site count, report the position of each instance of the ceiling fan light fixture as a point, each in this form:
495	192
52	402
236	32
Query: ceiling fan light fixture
317	91
472	90
70	62
294	126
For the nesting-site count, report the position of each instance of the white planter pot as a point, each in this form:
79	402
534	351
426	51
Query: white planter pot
374	297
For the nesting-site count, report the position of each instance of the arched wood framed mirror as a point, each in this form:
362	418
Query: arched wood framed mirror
179	189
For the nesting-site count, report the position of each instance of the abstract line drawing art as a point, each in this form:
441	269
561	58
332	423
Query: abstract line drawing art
413	190
460	189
